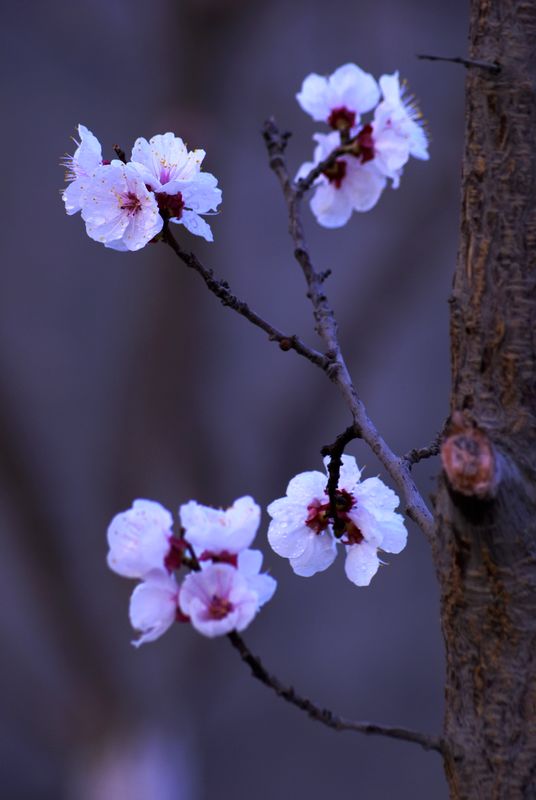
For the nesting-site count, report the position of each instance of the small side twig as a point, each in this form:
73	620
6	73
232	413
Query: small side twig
120	153
421	453
225	295
324	715
491	66
335	451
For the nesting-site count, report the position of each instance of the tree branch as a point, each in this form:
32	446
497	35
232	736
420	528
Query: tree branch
335	451
224	294
324	715
492	66
326	327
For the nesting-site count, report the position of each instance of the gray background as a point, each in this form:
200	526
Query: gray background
122	377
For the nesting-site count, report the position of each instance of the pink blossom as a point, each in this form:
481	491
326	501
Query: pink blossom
218	600
139	539
153	606
118	209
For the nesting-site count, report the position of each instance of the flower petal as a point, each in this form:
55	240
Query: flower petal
288	540
307	486
361	563
196	225
319	554
153	606
353	88
313	97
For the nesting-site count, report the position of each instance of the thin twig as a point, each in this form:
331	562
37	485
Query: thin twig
326	327
288	693
324	715
224	294
492	66
304	184
335	451
421	453
120	153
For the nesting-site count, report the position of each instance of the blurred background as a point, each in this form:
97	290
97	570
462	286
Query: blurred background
121	377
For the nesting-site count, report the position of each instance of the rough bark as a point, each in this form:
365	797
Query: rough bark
485	548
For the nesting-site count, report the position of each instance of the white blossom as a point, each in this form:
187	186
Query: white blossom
302	526
139	539
80	168
218	600
340	98
399	113
153	606
349	185
174	174
118	209
216	531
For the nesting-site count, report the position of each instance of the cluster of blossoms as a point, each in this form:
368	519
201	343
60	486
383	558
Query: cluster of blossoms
224	588
306	529
373	152
124	205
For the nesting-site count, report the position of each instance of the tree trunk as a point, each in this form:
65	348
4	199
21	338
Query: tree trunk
485	551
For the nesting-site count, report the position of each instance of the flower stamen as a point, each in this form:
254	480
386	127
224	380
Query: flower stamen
219	607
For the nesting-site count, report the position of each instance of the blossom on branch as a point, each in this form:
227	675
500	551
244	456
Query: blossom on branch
139	539
306	529
218	600
174	174
125	206
118	209
340	98
359	157
225	588
350	184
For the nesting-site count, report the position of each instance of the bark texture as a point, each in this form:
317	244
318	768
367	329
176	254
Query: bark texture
485	548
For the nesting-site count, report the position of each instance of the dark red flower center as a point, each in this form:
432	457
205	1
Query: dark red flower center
219	607
219	558
173	560
320	515
131	203
171	204
341	119
335	174
365	142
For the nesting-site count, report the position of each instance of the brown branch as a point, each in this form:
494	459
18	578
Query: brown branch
420	453
326	327
288	693
324	715
492	66
335	451
224	294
